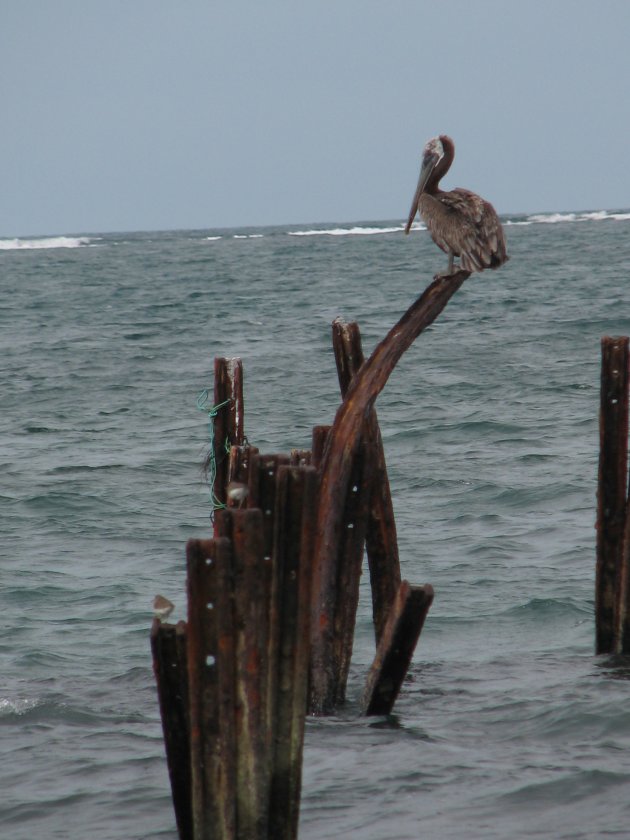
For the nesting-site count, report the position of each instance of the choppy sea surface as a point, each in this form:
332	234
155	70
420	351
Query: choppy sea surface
508	725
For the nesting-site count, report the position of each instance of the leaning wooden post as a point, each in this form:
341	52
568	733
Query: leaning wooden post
611	490
168	646
349	357
342	444
395	650
380	538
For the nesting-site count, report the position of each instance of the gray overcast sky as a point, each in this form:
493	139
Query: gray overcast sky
147	114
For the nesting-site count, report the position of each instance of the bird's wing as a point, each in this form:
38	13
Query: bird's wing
476	231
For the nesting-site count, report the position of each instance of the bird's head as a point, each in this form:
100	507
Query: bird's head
432	154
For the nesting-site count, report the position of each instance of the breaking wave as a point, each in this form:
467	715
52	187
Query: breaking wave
352	231
44	242
556	218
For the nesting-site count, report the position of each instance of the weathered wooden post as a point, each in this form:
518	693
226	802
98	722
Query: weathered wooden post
612	489
344	439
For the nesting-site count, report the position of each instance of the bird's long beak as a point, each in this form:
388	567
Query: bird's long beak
428	165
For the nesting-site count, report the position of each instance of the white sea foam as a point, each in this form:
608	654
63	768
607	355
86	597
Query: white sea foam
213	238
555	218
605	214
44	242
248	236
552	218
17	705
353	231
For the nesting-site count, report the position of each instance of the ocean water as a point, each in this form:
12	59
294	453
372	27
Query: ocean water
508	725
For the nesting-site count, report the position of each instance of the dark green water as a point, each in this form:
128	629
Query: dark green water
508	725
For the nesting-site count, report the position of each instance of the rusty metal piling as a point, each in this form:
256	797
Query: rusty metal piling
342	444
272	598
613	512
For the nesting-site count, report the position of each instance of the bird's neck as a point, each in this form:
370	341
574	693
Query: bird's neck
433	184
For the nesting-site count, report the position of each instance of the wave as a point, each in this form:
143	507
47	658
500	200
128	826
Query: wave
556	218
248	236
353	231
45	242
534	219
17	706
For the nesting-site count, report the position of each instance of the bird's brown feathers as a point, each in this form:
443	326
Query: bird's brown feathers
463	223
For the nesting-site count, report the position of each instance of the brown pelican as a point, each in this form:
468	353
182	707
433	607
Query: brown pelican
460	222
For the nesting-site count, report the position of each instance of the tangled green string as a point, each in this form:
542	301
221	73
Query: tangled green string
211	461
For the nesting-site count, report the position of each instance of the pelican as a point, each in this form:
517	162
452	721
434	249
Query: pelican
460	222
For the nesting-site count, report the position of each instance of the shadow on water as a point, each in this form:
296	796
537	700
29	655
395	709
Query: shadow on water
614	666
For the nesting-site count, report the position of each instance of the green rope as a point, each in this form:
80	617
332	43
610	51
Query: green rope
211	461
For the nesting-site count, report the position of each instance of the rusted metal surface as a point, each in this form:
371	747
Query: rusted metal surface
295	523
320	436
336	469
271	597
349	567
229	422
300	457
349	357
211	685
395	650
168	648
252	586
622	613
381	538
239	465
611	490
262	492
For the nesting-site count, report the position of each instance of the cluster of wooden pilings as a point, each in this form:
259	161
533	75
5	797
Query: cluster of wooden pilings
273	595
612	576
